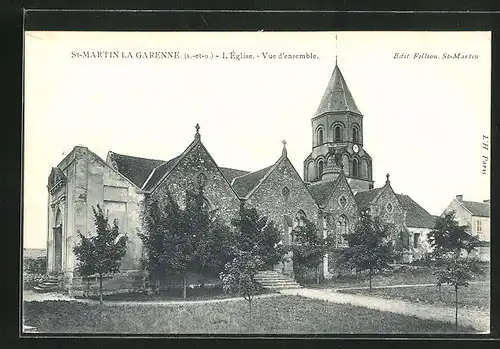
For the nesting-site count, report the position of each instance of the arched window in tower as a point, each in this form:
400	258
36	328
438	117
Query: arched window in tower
342	231
337	132
364	169
319	136
345	163
311	171
320	168
355	168
355	134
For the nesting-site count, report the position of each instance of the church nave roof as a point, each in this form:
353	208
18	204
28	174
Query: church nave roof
136	169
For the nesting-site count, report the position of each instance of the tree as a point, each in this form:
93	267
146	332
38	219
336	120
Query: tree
184	240
457	273
370	247
448	239
160	221
309	247
258	235
169	242
239	276
102	253
86	255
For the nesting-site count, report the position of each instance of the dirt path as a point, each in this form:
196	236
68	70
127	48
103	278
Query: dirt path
30	296
466	317
395	286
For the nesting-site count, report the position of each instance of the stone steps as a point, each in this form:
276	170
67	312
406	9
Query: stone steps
275	281
51	285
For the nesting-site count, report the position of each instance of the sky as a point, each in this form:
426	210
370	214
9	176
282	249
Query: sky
424	119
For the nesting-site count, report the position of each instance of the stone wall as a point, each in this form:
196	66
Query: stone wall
422	247
268	198
217	190
394	214
331	214
269	201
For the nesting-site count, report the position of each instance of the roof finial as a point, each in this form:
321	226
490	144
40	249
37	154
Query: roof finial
197	135
284	148
336	49
387	176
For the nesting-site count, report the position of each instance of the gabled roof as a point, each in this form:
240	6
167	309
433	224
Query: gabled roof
337	96
136	169
416	215
365	198
321	191
243	185
231	173
158	172
479	209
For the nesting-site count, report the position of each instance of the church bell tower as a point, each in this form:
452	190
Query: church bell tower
337	139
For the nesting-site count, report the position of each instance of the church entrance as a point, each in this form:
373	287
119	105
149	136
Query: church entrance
58	243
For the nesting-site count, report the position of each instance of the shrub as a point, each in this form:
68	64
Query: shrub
35	265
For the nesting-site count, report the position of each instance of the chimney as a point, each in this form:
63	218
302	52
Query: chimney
460	197
486	201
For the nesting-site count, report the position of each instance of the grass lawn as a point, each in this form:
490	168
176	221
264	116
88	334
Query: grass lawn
406	275
283	314
474	296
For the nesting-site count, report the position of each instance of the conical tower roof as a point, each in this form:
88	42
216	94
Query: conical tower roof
337	96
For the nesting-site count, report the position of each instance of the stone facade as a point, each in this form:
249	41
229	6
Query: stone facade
90	182
281	196
197	162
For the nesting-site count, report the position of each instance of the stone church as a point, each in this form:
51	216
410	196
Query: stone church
337	184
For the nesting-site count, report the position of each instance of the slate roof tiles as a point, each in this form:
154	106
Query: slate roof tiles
416	215
321	191
477	208
244	184
337	96
136	169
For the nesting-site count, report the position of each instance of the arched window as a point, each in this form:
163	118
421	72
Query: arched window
337	132
206	205
319	138
342	230
342	201
355	135
300	219
345	163
364	169
286	193
355	168
58	220
320	168
311	171
201	179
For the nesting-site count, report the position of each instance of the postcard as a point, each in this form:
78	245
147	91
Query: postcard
257	183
